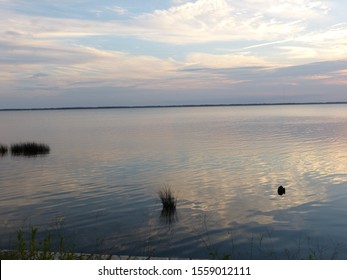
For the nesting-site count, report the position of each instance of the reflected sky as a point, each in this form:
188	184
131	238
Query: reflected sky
225	164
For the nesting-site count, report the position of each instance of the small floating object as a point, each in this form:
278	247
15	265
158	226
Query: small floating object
281	190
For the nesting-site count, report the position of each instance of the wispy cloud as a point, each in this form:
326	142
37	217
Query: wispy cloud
261	23
117	10
65	66
280	75
218	45
213	20
202	21
192	22
267	44
224	60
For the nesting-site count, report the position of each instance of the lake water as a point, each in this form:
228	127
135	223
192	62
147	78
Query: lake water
99	185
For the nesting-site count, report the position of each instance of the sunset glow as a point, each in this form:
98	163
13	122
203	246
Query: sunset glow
116	53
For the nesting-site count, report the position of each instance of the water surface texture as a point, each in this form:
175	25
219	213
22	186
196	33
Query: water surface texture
99	183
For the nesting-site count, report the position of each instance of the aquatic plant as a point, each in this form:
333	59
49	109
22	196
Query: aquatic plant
3	149
169	201
167	198
168	215
29	149
30	247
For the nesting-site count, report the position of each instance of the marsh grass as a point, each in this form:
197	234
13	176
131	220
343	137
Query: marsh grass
30	247
29	149
168	200
168	215
3	149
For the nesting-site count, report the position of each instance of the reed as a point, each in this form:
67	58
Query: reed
29	149
167	198
30	247
3	149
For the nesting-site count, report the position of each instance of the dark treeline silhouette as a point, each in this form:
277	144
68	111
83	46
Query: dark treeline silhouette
170	106
27	149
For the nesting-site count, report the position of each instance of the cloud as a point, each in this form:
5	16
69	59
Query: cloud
328	44
213	20
260	75
29	52
66	66
190	22
299	9
310	69
116	10
224	60
273	25
336	34
341	72
277	31
222	20
231	47
296	52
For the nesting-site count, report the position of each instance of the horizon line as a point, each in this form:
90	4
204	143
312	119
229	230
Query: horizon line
171	106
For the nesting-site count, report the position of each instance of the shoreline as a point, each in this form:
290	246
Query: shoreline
7	254
170	106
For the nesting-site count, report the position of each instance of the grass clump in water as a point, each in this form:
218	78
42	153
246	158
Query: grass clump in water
29	149
167	198
3	149
169	201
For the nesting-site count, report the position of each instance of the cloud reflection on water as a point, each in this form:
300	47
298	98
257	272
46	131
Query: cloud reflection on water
224	163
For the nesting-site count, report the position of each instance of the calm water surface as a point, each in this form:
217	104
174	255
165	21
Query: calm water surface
99	184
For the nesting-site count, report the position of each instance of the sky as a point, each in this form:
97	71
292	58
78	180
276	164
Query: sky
171	52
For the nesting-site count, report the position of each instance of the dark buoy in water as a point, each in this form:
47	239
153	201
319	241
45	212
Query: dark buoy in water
281	190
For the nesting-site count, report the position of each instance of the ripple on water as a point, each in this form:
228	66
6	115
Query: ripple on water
225	165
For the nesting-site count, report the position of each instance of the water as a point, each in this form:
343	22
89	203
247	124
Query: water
98	186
